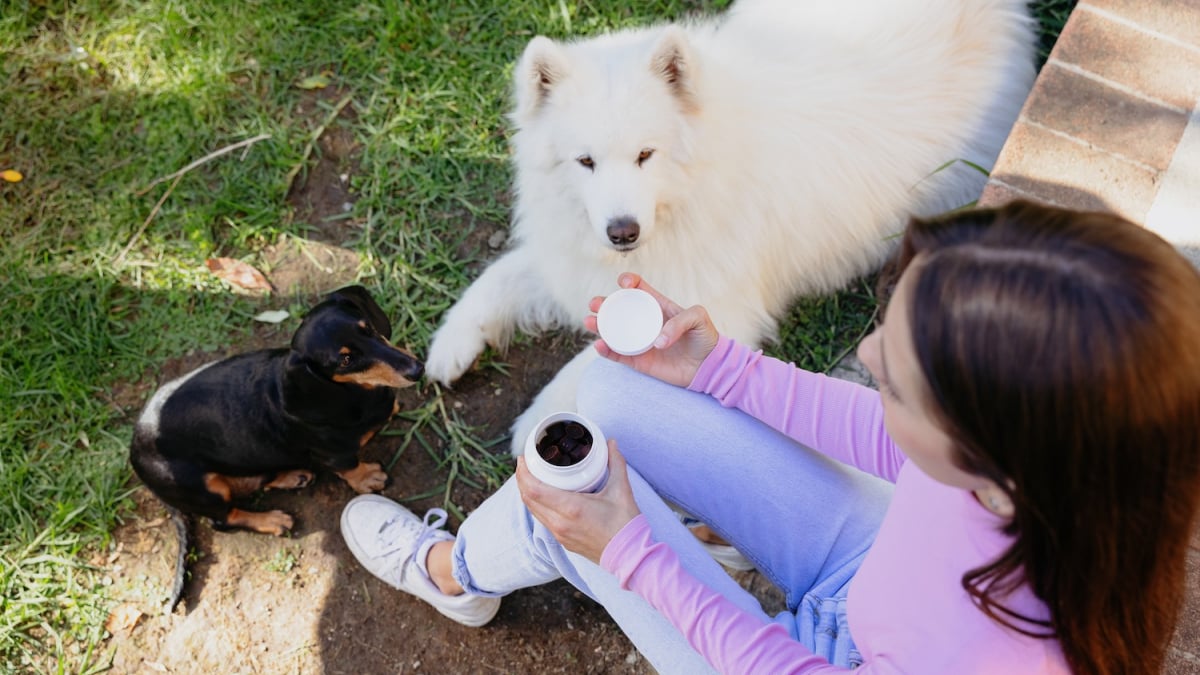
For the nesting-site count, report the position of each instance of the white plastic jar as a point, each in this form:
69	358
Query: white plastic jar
586	475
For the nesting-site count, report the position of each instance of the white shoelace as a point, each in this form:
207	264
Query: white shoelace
410	531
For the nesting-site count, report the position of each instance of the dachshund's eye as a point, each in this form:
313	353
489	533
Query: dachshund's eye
345	361
586	162
644	155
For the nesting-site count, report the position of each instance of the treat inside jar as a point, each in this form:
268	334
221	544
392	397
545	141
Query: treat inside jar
564	443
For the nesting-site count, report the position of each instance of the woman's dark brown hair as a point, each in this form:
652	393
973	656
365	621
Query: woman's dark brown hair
1062	353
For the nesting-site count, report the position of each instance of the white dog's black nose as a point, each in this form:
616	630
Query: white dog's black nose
623	231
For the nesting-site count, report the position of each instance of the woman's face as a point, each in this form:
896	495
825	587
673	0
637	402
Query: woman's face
889	354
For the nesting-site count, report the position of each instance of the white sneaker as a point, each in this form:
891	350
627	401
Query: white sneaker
723	553
728	556
386	538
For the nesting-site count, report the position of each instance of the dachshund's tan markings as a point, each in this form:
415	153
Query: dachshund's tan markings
378	375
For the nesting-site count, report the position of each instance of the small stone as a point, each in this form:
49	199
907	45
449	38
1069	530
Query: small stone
497	239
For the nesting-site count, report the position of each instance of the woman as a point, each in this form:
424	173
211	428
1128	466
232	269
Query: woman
1038	414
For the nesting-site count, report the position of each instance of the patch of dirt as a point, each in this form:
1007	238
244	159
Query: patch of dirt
320	192
302	604
308	268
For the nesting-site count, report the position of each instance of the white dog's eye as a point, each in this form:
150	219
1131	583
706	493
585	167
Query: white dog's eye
586	162
644	155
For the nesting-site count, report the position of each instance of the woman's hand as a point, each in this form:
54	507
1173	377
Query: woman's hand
687	338
583	523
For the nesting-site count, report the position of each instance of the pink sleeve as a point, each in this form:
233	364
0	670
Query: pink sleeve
838	418
732	640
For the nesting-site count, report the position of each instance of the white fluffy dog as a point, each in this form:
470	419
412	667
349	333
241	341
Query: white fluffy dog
737	162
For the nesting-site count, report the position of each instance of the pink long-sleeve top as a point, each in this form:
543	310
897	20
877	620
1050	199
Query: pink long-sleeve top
906	607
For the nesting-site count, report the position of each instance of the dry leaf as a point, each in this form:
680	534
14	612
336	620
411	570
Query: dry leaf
123	619
272	316
319	81
11	176
239	274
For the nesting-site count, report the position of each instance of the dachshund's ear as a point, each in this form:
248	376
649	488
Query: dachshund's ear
311	396
359	297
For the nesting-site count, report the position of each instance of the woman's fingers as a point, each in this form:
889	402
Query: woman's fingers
632	280
694	317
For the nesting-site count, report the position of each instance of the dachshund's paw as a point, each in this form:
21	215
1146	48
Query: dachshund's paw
366	477
277	523
291	480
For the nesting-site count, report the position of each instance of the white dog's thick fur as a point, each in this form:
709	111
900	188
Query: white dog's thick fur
737	162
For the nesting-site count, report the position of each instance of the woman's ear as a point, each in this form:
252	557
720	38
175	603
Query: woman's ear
996	499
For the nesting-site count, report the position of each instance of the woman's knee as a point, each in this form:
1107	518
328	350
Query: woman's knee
606	393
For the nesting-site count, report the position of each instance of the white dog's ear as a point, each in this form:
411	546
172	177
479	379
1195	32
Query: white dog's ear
542	65
671	61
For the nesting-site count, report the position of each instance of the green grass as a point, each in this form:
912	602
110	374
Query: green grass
99	99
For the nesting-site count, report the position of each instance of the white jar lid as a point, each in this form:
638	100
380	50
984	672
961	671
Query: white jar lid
629	321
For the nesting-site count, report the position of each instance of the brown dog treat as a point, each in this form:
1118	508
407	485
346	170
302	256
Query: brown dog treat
564	443
555	431
551	453
579	453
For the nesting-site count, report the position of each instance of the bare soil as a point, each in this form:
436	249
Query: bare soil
301	604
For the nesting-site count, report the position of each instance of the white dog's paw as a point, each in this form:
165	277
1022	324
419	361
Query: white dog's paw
452	352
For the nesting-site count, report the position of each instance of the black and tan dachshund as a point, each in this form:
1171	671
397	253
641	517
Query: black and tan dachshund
268	419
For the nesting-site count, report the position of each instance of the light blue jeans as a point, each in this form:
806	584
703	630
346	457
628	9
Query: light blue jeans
804	520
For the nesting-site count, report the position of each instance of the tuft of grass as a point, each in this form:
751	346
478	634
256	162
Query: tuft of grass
819	332
465	458
102	99
283	562
1051	16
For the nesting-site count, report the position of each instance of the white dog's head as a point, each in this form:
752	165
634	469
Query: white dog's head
606	123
